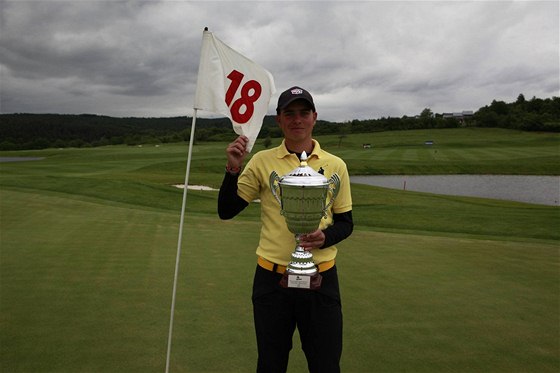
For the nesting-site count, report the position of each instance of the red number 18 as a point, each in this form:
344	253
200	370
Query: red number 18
250	92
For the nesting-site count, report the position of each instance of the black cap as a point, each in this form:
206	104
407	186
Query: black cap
292	94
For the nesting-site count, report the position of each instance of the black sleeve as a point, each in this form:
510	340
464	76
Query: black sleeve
229	203
341	228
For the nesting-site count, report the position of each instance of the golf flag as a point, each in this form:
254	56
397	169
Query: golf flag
233	85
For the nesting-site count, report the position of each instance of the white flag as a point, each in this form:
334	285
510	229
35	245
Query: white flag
233	85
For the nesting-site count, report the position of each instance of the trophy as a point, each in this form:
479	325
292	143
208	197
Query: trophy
302	195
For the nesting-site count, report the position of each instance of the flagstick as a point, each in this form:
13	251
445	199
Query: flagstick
179	241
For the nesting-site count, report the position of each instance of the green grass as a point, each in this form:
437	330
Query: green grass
430	283
389	210
455	151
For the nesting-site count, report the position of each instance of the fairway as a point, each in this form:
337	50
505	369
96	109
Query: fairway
454	151
429	283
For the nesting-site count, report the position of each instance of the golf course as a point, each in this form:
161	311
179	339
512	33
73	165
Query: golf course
429	283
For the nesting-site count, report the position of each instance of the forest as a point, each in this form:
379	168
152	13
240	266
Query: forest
22	131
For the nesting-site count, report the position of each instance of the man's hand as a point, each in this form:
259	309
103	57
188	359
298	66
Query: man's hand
312	240
236	152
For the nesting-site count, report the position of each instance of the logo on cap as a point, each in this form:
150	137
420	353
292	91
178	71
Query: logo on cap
297	91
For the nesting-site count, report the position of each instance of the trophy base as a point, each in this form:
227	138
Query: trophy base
301	281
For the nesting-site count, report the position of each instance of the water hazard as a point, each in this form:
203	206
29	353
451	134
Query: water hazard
20	159
544	190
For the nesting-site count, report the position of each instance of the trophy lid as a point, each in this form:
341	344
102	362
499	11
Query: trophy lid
303	175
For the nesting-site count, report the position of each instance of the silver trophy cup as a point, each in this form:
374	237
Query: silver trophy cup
302	195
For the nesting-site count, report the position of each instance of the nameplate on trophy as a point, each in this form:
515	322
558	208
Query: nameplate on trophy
299	281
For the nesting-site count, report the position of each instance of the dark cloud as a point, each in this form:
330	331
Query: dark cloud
361	59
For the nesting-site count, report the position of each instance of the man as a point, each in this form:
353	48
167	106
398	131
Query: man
278	310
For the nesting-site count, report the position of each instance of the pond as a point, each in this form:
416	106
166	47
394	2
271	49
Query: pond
20	159
543	190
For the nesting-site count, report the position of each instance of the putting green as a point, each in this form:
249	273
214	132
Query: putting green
429	283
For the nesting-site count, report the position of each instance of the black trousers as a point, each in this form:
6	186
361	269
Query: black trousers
316	313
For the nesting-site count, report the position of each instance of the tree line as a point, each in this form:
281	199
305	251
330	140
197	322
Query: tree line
40	131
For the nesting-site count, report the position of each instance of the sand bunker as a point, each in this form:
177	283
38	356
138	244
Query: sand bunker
194	187
203	187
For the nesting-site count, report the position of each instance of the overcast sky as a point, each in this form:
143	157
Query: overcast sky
359	59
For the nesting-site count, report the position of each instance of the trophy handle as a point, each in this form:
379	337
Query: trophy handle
334	187
274	185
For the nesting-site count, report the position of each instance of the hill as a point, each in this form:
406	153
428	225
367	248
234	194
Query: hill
40	131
